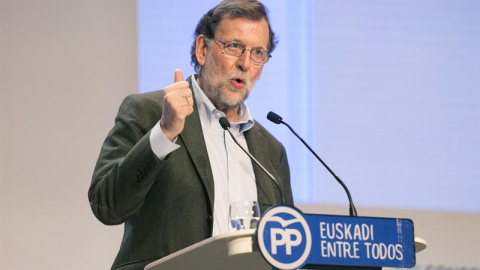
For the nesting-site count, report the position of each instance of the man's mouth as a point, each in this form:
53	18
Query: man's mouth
238	82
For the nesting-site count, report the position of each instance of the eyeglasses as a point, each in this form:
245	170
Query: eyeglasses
234	48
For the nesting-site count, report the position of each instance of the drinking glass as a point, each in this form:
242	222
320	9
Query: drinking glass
244	215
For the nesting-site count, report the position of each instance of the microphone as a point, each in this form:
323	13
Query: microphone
226	126
277	119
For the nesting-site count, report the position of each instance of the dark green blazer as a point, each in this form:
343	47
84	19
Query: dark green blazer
168	205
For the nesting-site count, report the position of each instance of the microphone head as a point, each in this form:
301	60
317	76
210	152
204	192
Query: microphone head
275	118
224	123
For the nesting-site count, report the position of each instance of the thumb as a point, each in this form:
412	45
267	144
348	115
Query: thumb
178	75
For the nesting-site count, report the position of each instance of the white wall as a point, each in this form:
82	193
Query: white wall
65	66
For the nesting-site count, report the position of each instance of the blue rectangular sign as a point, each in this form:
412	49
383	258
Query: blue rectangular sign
289	239
361	241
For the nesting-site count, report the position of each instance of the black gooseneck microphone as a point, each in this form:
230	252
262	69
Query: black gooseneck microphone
226	125
277	119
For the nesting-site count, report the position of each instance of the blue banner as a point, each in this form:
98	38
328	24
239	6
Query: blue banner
289	239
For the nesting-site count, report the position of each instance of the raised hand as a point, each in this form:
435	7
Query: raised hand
178	104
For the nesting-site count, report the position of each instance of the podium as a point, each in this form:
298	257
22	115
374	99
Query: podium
233	251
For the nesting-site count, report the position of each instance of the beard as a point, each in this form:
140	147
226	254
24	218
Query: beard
218	86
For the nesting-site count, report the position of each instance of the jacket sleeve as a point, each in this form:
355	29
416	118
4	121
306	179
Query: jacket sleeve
126	167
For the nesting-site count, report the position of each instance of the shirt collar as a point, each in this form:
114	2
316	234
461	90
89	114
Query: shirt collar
210	115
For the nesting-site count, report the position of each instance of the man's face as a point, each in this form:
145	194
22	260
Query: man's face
227	80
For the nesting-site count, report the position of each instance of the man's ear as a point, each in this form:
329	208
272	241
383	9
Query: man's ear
201	49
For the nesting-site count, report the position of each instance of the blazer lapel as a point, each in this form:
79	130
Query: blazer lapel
192	137
257	146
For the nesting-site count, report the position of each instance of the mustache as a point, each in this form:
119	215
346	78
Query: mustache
240	75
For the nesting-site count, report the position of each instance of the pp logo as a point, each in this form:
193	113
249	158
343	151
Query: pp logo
284	237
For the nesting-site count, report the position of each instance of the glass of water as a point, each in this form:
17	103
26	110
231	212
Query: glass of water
244	215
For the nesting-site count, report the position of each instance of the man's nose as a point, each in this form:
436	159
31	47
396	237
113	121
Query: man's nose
244	61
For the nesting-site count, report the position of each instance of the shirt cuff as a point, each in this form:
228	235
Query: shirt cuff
161	146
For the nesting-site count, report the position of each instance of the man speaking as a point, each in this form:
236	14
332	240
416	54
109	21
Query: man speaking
167	169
